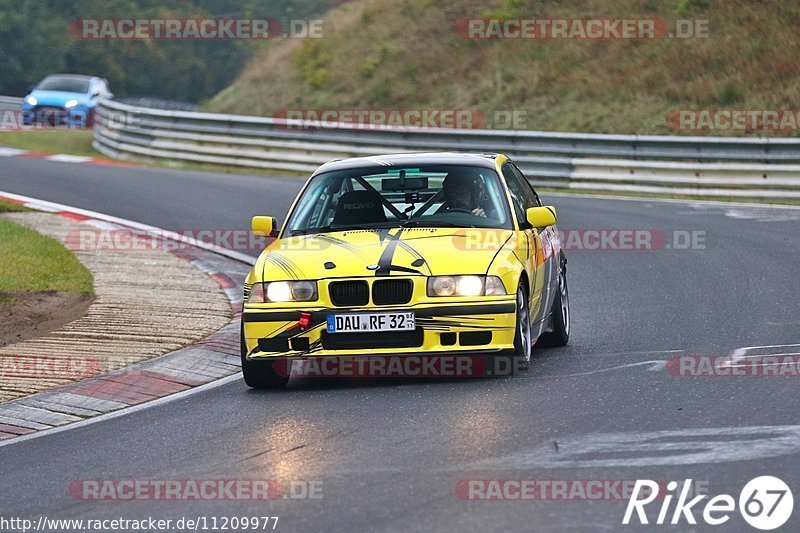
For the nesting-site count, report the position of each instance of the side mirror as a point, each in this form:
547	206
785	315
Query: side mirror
264	225
541	217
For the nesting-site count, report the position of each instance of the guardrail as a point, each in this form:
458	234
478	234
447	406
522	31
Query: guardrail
707	166
10	102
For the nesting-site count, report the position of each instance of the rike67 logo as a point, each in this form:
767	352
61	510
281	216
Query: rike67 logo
765	503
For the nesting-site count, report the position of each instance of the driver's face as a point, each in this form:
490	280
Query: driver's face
461	198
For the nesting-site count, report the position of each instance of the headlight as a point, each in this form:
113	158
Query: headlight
256	293
465	286
494	286
70	104
442	286
291	291
469	286
31	100
283	291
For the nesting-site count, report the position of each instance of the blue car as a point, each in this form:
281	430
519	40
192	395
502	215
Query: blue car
64	100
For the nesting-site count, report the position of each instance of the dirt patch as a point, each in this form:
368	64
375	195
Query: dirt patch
25	315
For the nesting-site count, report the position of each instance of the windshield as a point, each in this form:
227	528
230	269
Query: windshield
67	85
440	196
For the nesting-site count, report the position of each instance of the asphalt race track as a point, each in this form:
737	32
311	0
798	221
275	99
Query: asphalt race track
389	454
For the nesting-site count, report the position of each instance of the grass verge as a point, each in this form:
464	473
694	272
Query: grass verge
32	262
63	141
11	207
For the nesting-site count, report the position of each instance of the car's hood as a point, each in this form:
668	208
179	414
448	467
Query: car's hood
424	251
58	98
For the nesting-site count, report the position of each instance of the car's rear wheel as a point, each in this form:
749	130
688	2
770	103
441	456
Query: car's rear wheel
522	338
262	374
560	314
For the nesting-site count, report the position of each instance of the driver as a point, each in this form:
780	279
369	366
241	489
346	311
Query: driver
461	189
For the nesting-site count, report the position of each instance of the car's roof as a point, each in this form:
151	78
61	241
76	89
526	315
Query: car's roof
71	76
411	159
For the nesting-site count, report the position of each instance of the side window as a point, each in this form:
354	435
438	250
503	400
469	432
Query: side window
533	198
518	196
321	212
327	204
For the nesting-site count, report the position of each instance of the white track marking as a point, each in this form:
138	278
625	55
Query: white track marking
11	152
744	353
615	354
751	365
66	158
657	448
654	364
743	212
756	356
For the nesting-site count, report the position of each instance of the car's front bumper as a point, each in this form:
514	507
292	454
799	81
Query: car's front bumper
75	117
484	326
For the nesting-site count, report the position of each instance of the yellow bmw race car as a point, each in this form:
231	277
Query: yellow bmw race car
438	254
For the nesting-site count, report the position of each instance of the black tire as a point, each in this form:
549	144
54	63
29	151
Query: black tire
262	374
560	315
523	336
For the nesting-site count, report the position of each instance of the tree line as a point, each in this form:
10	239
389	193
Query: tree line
35	40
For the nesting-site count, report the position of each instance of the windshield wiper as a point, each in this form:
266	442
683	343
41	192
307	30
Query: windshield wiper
349	227
415	223
321	229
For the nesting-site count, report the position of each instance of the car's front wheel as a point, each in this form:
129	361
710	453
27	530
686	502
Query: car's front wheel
522	338
261	374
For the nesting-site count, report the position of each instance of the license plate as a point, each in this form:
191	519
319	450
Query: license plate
366	322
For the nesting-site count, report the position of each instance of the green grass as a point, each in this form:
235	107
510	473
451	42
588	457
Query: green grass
11	207
389	54
62	141
31	262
